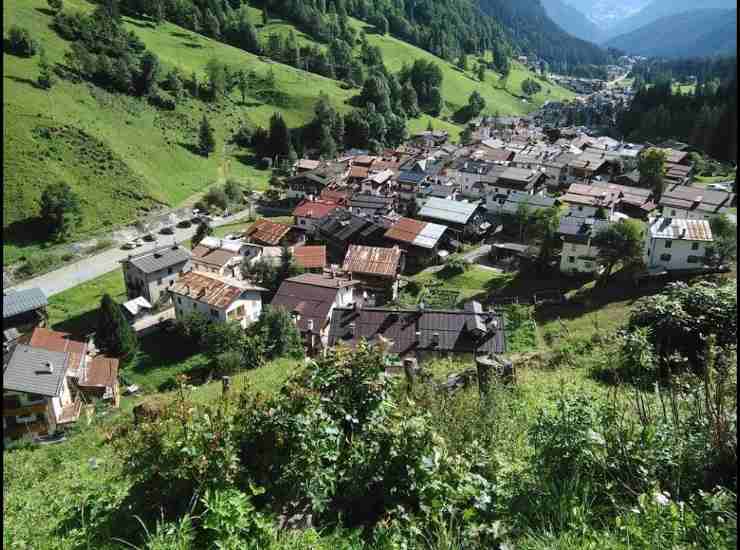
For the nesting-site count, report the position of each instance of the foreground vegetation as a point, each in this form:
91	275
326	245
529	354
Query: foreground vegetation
585	451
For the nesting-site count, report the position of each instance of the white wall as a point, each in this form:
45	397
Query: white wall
573	259
251	300
656	253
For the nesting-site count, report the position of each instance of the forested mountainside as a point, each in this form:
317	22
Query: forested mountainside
703	32
664	8
529	27
573	21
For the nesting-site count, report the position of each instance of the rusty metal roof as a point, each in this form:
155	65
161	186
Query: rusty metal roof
267	232
681	229
372	260
325	280
359	172
56	341
418	233
101	371
210	289
310	257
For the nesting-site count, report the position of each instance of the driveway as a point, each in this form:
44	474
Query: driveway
91	267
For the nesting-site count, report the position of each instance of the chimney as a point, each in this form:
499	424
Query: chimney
50	367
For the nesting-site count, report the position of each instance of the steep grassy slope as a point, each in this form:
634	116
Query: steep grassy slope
125	157
122	155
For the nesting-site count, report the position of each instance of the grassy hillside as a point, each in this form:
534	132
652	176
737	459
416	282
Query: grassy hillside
126	158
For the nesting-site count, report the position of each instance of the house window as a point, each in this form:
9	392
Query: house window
665	257
159	282
27	419
694	246
580	208
693	259
572	259
179	300
573	247
214	313
169	271
588	265
668	244
673	212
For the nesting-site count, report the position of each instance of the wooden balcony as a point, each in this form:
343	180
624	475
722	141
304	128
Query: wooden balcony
70	413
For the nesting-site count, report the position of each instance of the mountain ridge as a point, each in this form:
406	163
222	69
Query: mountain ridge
696	33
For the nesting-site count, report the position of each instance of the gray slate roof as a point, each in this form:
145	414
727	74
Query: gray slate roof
159	258
26	371
16	302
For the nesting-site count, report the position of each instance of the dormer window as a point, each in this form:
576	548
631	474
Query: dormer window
668	244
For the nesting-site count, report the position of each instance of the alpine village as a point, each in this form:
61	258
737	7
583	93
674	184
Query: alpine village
369	274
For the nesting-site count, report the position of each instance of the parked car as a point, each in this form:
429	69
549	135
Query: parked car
149	238
169	230
184	224
138	242
719	187
130	245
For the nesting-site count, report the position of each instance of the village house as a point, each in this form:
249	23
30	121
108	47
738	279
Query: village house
365	204
430	138
579	256
510	204
219	299
421	241
310	298
380	183
342	228
37	398
678	244
24	309
339	196
136	309
305	165
46	377
440	191
220	256
463	219
589	165
585	200
473	177
696	203
309	212
269	233
409	184
310	258
377	271
150	274
519	181
313	182
421	332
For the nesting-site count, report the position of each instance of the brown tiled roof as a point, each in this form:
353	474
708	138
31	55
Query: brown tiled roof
307	164
309	296
335	195
310	257
268	232
372	260
212	256
209	289
363	160
315	209
101	371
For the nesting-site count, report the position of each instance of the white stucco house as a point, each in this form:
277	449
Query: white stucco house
219	298
579	256
678	244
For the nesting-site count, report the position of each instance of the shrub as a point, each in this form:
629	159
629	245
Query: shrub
279	333
216	197
20	42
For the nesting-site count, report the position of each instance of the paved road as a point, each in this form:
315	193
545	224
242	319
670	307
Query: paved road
91	267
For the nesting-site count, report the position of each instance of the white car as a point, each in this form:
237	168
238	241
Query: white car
129	245
719	187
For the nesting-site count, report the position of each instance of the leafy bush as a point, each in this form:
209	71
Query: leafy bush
216	197
20	42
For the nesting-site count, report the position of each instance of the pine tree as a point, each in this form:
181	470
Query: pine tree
114	334
327	145
206	138
46	79
481	72
202	231
279	141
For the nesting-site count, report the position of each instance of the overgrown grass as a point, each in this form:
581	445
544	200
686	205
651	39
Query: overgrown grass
474	283
75	310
